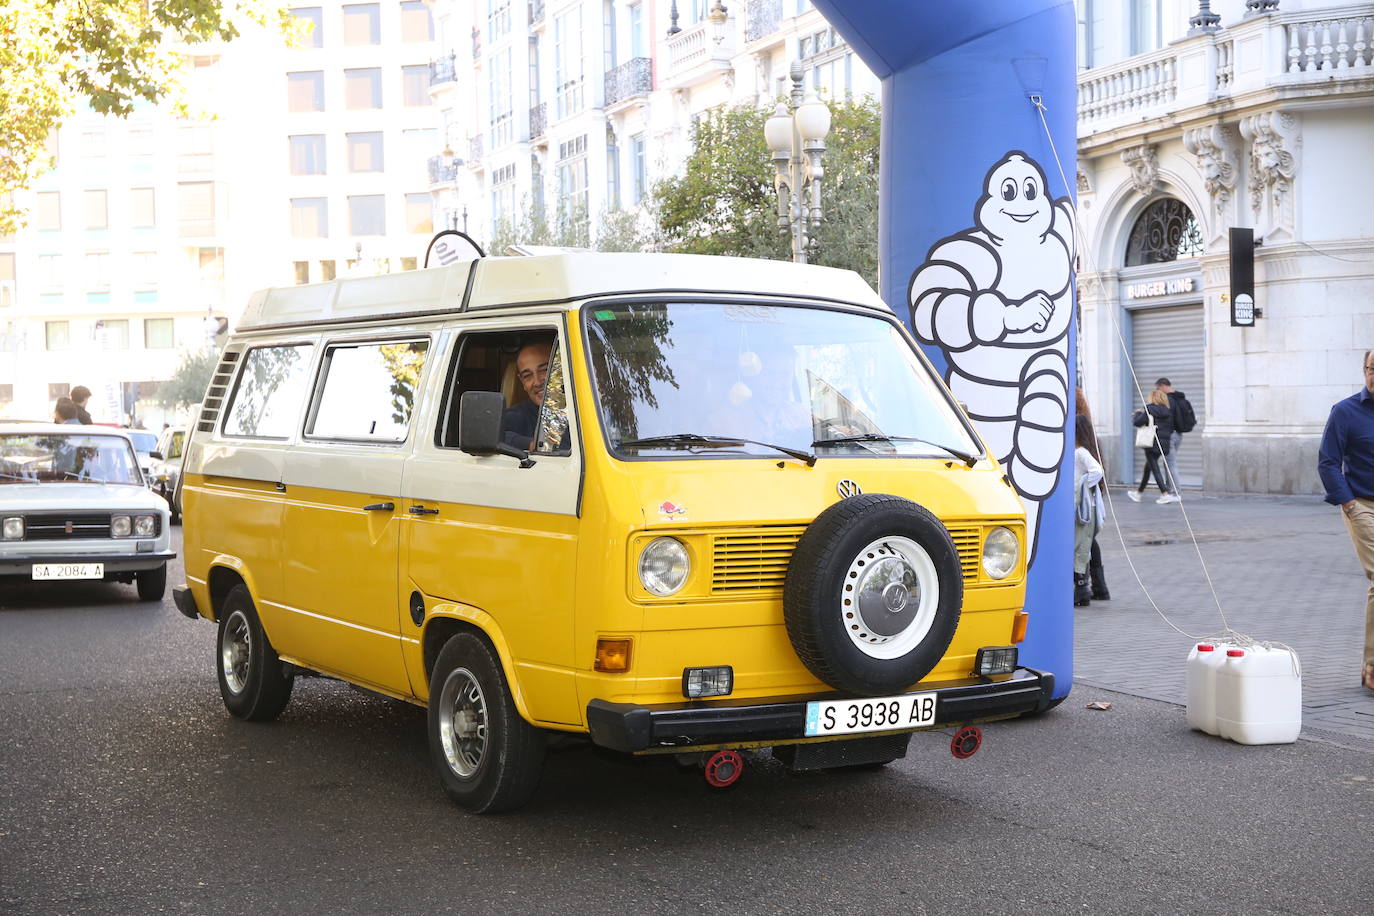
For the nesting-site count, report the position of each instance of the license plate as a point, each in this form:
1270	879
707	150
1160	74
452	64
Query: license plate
880	714
69	570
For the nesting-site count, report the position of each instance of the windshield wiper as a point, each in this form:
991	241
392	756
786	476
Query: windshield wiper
691	439
965	457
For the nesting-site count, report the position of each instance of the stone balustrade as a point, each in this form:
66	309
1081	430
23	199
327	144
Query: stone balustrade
1128	90
694	52
1327	45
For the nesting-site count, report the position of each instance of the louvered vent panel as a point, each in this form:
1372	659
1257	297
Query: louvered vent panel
966	541
217	392
752	561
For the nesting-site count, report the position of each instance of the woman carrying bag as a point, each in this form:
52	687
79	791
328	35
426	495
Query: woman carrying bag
1088	510
1154	425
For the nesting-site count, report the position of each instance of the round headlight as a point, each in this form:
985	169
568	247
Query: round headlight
14	528
1000	553
664	566
120	526
145	526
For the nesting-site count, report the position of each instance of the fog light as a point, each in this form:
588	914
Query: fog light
995	660
613	655
708	682
120	526
145	526
14	528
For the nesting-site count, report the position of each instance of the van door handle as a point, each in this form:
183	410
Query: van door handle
281	487
379	507
421	510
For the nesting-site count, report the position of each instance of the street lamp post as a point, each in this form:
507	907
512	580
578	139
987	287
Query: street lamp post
796	135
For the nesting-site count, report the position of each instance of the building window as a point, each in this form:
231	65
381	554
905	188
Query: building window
97	210
501	104
498	19
57	336
363	88
196	208
6	395
1166	231
195	149
419	214
157	333
145	268
502	198
305	91
48	205
612	176
314	16
365	152
142	210
140	140
416	22
636	12
415	85
307	154
327	270
641	168
302	272
362	24
59	389
98	270
112	333
211	263
410	263
572	177
367	215
6	279
567	61
309	217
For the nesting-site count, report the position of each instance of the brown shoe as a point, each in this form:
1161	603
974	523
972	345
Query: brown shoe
1367	677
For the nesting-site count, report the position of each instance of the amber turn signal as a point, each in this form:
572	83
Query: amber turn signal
1018	626
613	655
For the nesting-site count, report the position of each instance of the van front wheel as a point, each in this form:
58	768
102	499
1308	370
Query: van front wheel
489	759
251	679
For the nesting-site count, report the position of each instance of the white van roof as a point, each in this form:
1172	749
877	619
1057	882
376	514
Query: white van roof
562	279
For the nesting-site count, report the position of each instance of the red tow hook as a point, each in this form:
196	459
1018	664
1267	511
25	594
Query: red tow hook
724	768
966	742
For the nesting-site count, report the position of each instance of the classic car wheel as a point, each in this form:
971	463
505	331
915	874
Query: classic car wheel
488	758
152	583
251	679
873	594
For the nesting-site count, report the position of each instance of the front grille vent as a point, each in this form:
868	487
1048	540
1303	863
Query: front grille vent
54	527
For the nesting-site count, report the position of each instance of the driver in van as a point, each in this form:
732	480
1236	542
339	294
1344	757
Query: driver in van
518	423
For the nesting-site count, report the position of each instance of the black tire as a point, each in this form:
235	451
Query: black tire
488	758
869	544
251	678
152	583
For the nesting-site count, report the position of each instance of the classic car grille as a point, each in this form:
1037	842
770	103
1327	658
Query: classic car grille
54	527
757	560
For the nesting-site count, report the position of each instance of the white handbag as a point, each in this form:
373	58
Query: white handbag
1145	435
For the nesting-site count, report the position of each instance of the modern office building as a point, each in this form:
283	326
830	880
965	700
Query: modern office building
1196	119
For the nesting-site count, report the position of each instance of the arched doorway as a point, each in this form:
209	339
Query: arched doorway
1161	295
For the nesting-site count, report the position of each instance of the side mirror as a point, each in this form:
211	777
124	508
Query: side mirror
479	426
155	454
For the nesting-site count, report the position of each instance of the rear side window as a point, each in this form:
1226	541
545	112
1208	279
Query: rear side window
367	390
271	389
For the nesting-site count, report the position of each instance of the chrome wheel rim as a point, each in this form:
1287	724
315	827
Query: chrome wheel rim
890	594
235	652
463	722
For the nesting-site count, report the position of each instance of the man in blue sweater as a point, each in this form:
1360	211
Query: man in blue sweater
1346	465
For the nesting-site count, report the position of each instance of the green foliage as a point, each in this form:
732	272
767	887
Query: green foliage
188	384
724	203
109	54
616	230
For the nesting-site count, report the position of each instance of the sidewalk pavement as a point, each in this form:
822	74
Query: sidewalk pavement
1283	570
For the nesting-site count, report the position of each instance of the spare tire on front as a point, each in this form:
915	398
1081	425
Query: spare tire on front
873	594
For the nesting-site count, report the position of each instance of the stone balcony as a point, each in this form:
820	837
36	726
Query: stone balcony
539	122
443	170
763	18
1283	54
632	80
443	69
694	56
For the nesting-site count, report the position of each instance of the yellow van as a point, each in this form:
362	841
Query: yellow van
675	504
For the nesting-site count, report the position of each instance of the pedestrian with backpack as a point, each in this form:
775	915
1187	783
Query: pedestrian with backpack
1184	420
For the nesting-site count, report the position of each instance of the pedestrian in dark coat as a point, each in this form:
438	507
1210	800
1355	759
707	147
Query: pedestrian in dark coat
1157	409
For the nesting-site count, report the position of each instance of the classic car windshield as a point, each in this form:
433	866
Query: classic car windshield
61	457
714	378
143	442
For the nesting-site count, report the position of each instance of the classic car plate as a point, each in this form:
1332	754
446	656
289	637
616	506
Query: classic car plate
69	570
878	714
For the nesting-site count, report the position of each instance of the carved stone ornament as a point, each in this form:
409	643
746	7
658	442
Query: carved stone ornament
1273	140
1144	167
1214	148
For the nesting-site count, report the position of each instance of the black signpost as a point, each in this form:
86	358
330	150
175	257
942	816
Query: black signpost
1243	309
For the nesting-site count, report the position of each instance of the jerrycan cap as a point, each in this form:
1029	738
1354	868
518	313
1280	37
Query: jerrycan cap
1234	653
1206	647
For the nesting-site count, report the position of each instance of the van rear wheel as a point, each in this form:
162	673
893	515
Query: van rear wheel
251	679
489	759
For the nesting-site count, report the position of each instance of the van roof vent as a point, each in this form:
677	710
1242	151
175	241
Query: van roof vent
217	392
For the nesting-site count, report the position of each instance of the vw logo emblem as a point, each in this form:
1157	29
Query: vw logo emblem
848	488
895	597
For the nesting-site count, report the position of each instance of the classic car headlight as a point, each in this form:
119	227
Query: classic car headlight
664	566
120	526
145	526
14	528
1000	552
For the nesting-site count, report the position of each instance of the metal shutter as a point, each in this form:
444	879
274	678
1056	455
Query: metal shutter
1171	343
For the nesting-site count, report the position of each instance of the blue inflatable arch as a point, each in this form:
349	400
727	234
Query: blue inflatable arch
977	244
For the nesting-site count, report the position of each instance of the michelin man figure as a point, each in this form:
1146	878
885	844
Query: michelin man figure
997	299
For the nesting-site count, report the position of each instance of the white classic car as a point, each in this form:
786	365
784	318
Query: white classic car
167	467
74	505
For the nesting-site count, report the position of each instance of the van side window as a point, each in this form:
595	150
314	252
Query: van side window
271	388
527	368
367	390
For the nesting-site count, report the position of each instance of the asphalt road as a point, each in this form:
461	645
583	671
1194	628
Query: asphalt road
126	788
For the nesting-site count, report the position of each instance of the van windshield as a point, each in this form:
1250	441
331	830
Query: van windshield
724	380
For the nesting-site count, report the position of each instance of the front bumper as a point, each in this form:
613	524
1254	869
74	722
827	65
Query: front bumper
114	562
629	727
